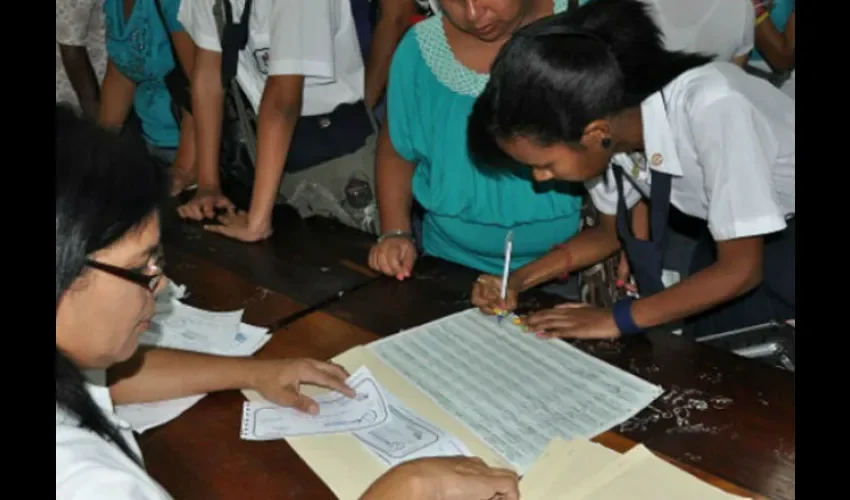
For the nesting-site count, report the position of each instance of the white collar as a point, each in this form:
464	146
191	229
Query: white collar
102	399
658	141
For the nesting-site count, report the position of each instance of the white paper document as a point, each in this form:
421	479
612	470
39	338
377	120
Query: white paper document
406	436
514	391
145	416
337	413
179	326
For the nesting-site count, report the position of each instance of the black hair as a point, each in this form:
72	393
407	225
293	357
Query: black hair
560	73
106	186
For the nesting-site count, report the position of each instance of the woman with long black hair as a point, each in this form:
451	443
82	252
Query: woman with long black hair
592	95
108	268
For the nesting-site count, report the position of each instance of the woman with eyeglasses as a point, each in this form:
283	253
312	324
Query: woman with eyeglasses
108	268
593	96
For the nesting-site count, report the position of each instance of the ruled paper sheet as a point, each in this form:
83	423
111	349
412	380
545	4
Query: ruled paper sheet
514	391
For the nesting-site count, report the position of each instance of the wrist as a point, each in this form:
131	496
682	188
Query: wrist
517	281
623	318
396	233
566	262
258	223
249	374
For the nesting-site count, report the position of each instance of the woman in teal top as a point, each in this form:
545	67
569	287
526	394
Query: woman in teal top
138	43
438	70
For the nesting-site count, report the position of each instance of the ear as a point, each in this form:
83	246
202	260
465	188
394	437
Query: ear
594	133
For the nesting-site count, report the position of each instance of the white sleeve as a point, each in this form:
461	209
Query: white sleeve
603	191
302	38
748	36
197	18
72	21
734	144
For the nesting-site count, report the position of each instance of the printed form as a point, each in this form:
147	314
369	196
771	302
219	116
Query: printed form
262	421
407	436
514	391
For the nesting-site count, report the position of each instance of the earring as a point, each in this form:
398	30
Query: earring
606	142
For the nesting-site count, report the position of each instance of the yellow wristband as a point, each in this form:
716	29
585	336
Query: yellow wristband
762	17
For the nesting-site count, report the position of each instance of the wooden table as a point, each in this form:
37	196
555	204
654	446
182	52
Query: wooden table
725	418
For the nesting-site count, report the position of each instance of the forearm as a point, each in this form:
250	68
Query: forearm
186	148
588	247
280	109
117	98
706	289
394	178
388	32
207	108
640	221
777	48
81	74
154	374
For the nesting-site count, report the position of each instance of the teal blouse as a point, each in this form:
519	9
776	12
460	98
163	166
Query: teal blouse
468	213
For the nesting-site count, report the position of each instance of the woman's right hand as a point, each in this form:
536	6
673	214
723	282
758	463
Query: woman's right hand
394	256
204	203
446	478
487	295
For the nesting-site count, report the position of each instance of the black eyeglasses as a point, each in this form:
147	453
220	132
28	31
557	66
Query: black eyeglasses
149	282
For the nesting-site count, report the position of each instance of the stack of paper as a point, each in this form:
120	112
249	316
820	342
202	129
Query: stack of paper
378	419
581	470
176	325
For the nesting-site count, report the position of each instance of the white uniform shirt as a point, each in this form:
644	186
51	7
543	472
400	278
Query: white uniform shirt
720	28
315	38
790	85
91	468
728	140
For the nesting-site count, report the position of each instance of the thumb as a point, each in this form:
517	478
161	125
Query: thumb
406	259
220	229
222	202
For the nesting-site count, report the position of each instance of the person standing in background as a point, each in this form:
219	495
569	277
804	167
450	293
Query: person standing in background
80	53
142	37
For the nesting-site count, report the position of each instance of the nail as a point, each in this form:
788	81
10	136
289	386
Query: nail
620	283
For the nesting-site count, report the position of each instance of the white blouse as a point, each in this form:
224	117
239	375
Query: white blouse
91	468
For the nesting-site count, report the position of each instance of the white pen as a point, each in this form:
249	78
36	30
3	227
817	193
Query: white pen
509	243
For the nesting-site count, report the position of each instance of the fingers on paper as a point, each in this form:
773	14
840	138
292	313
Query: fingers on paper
328	375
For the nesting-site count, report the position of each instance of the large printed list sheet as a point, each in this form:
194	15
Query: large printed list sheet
515	391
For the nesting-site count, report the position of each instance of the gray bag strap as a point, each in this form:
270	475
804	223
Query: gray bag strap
246	127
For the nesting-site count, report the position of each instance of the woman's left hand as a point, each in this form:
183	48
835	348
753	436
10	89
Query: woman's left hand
279	381
237	225
574	321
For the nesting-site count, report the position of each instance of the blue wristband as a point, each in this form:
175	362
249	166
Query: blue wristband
623	317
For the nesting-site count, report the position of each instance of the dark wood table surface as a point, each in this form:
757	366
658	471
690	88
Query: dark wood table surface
727	419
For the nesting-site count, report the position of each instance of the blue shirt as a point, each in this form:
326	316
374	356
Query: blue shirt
140	48
468	213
